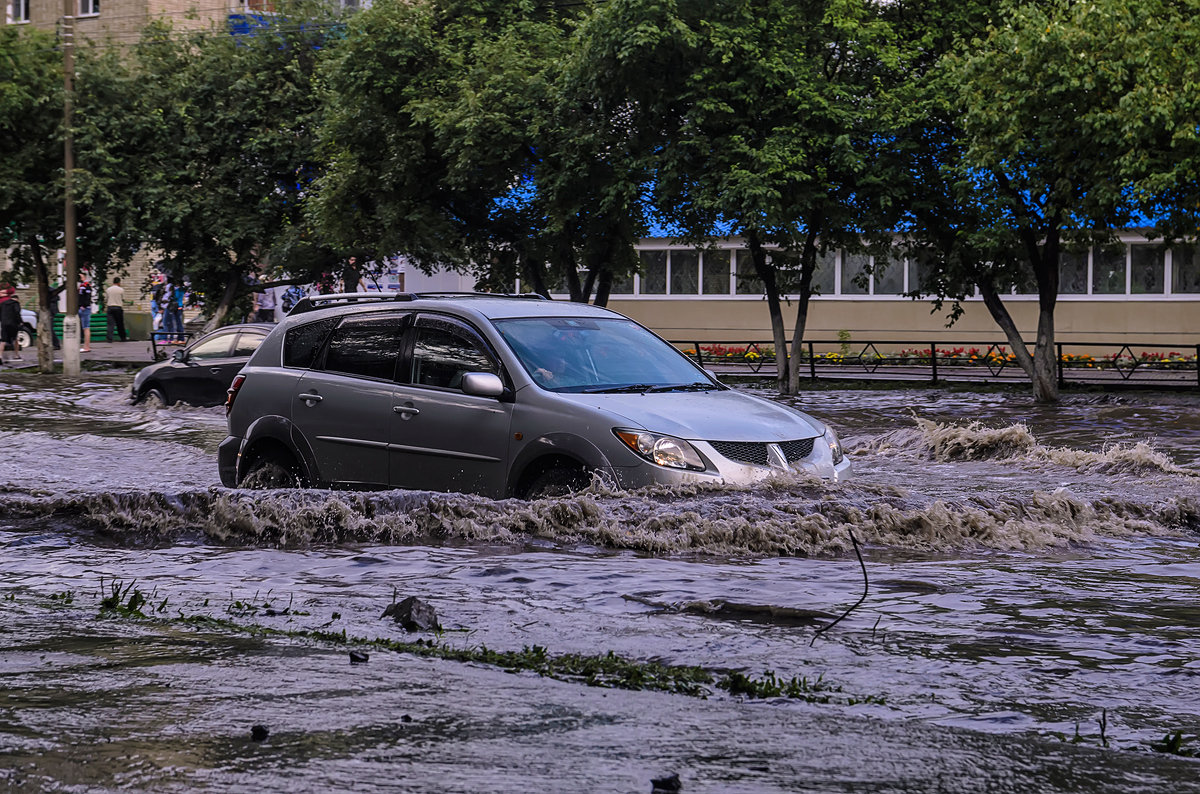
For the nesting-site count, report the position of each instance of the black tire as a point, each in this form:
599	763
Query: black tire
272	471
25	336
154	398
557	481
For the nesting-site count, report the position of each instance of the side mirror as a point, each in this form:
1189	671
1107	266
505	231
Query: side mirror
482	384
179	356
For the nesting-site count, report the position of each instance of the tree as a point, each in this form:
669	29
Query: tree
230	152
1064	114
766	115
457	134
31	162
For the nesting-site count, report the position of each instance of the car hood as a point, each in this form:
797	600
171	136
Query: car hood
709	416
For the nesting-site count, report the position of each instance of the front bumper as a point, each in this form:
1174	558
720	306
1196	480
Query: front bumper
724	471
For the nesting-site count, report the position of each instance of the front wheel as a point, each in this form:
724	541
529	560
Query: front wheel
154	398
558	481
24	337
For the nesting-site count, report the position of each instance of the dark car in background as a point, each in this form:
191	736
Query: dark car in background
200	374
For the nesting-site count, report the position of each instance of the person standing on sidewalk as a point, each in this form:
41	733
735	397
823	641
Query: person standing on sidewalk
10	321
85	314
264	306
114	302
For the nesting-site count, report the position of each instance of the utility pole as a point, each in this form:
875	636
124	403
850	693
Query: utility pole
71	335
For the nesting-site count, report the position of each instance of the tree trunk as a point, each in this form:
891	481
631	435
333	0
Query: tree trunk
535	275
228	295
808	264
1045	352
999	312
604	287
45	312
766	272
1045	358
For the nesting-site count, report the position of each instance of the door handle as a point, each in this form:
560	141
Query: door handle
311	399
215	370
406	410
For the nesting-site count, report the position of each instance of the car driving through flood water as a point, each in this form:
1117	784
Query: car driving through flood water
499	396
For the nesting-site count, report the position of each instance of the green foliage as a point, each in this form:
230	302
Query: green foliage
124	601
456	133
1173	744
771	686
31	144
229	149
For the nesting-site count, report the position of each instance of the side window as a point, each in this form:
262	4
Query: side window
303	343
444	351
217	347
365	347
247	343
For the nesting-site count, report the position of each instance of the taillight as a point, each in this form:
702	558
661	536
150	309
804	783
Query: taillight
231	394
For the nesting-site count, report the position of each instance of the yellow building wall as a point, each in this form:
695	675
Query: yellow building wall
1160	321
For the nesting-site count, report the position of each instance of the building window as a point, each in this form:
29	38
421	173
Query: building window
20	11
654	273
621	285
685	272
1108	270
1146	269
716	272
1185	269
89	8
854	274
748	282
1073	273
825	273
889	276
258	6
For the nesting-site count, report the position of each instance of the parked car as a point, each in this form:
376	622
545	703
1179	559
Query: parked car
28	330
500	396
200	374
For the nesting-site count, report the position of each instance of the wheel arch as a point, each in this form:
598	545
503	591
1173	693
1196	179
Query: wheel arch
550	451
276	435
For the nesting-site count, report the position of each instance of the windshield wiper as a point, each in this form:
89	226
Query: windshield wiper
647	388
685	387
631	388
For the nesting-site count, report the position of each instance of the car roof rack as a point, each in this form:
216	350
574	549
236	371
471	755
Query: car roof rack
313	302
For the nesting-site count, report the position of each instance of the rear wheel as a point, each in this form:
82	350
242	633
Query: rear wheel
276	470
557	481
24	337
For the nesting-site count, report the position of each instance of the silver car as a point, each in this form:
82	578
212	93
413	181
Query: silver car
500	396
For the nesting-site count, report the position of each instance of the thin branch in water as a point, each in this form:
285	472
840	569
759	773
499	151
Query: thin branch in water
862	598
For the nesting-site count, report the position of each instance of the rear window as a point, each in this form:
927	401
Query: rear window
303	344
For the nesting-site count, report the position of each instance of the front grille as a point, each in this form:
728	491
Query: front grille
797	450
743	451
755	452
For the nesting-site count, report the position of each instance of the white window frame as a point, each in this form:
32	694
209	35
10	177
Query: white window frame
89	8
18	12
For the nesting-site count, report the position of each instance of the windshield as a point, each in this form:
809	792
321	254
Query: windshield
573	354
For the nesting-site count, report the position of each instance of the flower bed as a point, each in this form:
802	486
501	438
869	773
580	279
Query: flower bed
998	356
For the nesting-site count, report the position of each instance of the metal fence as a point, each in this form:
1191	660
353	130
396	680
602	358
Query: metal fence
1103	363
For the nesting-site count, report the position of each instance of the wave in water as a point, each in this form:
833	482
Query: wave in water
948	442
785	517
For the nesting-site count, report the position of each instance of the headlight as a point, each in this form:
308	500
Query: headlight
835	446
674	453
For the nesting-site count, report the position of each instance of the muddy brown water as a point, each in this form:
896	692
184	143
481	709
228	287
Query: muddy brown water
1033	573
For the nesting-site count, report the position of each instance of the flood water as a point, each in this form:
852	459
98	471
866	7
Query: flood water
1031	622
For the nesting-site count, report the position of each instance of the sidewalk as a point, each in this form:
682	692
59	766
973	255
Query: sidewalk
119	353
